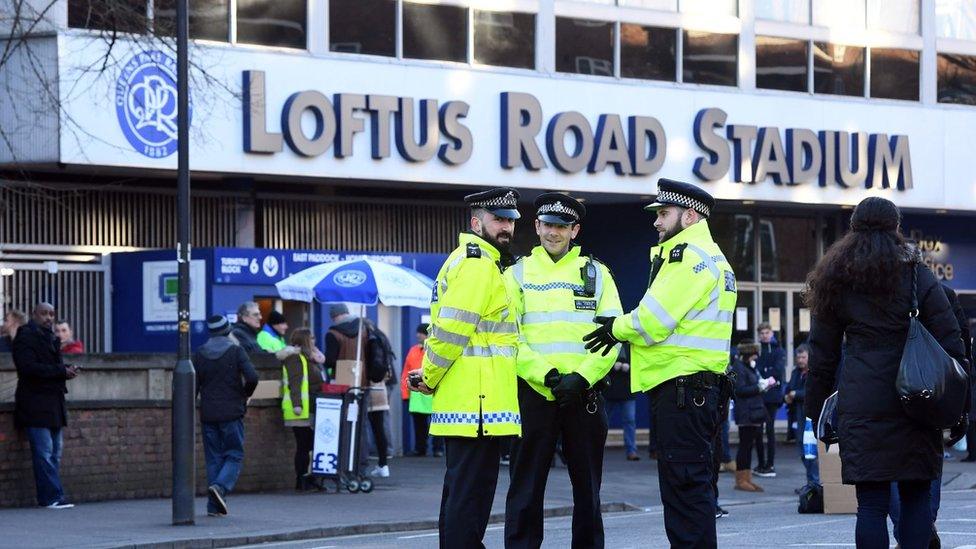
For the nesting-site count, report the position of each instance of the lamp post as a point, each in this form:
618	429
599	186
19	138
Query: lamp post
184	377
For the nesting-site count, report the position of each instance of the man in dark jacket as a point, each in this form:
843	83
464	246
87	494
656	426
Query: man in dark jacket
247	327
40	407
225	380
772	363
796	391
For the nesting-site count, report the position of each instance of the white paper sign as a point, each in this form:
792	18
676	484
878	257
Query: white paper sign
325	451
352	412
774	318
741	319
804	320
159	291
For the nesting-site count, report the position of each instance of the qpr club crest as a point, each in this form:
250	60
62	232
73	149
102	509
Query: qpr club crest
349	279
145	103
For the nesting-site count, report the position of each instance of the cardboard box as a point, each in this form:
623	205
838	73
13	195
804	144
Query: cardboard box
344	370
829	462
269	388
839	499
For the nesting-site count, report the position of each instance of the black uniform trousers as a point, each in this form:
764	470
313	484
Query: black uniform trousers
469	489
583	438
687	417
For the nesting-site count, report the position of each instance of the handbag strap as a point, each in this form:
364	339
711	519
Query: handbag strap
914	310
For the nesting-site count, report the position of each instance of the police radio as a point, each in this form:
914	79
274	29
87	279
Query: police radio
588	273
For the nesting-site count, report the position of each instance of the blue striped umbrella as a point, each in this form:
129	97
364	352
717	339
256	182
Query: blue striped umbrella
364	281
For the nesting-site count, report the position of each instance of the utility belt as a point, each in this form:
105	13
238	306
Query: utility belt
591	397
692	388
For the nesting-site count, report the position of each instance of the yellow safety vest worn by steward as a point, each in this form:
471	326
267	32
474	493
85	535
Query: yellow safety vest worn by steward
287	408
555	312
469	356
683	324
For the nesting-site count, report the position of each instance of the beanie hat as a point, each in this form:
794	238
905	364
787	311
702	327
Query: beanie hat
337	309
218	325
276	318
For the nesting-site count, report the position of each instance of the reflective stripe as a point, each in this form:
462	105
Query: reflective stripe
518	271
467	418
458	314
698	342
436	359
492	327
449	337
490	350
553	286
599	281
659	312
610	312
557	316
560	347
707	259
635	322
711	312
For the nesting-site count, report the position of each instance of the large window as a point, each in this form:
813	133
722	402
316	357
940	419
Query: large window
790	11
647	52
956	19
363	26
435	32
781	64
957	79
209	19
838	69
505	39
894	15
108	15
584	47
735	236
272	22
788	247
710	58
894	74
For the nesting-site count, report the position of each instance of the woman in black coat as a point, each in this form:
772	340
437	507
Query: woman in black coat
861	291
749	412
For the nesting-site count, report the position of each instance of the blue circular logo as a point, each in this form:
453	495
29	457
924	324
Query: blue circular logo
349	279
145	103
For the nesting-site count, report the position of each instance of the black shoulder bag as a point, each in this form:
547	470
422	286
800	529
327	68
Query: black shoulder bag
930	383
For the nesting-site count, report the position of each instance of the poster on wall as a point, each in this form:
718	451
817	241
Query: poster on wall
160	288
325	450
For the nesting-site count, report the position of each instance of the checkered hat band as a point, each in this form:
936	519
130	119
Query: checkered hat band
669	197
557	208
506	201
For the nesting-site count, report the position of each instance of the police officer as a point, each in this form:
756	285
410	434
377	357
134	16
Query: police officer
556	293
469	367
679	339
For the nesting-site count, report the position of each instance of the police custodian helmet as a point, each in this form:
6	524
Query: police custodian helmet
685	195
503	202
559	209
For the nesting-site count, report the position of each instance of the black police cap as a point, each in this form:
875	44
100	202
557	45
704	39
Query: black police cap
559	209
503	202
685	195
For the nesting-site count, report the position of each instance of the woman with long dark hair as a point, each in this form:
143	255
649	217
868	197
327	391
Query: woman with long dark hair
860	297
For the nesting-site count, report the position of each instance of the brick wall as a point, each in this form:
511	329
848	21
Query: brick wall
121	450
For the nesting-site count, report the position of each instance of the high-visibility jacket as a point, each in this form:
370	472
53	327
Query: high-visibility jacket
287	405
469	356
683	324
555	312
269	340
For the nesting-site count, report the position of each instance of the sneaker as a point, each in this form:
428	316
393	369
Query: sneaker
505	461
719	512
380	472
438	453
765	472
215	514
217	493
60	505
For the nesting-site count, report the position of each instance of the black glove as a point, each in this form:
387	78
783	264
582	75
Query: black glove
570	389
553	377
957	431
602	337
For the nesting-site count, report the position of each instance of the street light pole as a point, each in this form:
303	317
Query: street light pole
184	377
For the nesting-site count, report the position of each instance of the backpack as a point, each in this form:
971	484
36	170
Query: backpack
379	356
811	500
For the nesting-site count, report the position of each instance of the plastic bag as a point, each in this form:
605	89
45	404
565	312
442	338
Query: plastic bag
827	424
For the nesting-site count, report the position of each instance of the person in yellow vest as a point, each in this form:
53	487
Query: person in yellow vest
679	338
469	366
556	293
301	383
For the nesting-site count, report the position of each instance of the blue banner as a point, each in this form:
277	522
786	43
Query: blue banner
254	266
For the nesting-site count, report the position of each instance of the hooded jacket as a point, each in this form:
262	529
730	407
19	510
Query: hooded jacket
225	380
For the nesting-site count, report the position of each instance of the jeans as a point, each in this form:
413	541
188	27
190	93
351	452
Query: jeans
894	510
915	521
811	465
628	420
45	446
223	448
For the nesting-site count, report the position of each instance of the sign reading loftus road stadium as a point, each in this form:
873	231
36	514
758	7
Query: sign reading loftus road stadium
636	145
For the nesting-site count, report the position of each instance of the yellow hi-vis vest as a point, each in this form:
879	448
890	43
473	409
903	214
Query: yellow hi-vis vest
469	356
555	313
683	324
287	408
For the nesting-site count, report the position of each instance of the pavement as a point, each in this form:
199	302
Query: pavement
402	512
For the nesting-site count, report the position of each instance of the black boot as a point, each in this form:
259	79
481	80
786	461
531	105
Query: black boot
301	483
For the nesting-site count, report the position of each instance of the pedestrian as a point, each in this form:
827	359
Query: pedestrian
39	406
271	338
225	380
419	405
379	353
12	321
679	339
860	296
622	403
749	411
245	330
558	295
795	394
69	345
302	384
772	363
469	366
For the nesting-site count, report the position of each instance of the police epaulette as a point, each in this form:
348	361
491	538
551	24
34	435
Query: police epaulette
473	250
677	253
